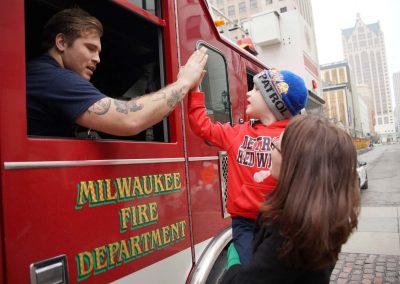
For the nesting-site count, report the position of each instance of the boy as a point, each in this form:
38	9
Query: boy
275	98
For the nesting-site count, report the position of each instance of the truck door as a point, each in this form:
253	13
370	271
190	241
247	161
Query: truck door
102	210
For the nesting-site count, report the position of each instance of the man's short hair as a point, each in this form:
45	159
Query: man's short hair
72	23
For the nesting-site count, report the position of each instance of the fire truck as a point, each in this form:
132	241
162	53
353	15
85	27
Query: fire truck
105	209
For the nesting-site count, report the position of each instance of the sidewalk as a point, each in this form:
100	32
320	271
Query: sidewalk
372	254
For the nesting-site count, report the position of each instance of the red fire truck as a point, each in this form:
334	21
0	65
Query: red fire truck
142	209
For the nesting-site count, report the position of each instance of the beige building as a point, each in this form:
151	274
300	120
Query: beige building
342	104
396	90
364	92
364	49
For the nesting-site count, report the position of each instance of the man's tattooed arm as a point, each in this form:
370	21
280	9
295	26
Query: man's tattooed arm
175	97
159	96
130	106
134	106
101	107
121	106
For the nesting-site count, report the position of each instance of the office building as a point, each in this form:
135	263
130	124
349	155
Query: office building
364	50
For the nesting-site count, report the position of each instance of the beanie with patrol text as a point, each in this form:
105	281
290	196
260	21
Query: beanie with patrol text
284	92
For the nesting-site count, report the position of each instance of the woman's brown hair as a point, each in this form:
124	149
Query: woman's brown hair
316	202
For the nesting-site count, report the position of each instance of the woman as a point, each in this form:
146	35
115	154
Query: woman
304	222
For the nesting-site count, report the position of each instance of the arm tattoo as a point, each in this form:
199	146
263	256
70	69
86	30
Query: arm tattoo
101	107
175	97
159	96
121	106
134	106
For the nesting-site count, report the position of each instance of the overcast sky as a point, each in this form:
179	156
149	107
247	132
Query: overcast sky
330	17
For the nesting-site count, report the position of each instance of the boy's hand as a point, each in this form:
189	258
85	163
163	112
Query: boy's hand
197	87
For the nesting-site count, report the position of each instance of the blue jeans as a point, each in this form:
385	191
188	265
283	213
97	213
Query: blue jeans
242	233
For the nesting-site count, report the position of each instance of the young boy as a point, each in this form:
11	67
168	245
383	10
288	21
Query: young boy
275	98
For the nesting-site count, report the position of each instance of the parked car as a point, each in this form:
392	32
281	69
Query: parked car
362	174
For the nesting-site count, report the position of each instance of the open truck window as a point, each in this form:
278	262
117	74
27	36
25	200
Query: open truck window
215	86
132	57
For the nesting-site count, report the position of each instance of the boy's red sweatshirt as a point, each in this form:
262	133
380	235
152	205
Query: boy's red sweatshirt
249	156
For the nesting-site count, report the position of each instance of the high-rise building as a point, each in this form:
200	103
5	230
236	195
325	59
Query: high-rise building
364	93
396	90
364	50
342	104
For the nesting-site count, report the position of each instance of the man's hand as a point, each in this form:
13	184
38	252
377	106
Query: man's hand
190	75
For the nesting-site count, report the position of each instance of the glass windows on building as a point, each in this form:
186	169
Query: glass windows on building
242	7
342	76
231	11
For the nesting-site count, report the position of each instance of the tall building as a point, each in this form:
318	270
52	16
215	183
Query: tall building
364	49
342	104
364	93
396	90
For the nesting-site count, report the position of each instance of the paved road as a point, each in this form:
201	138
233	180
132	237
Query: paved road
372	254
383	167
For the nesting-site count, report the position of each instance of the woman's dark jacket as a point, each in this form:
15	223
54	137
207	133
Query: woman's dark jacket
265	267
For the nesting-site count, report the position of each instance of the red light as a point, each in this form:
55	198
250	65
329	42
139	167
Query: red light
314	84
247	44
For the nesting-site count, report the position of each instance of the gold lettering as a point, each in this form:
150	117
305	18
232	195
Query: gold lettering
113	249
100	190
168	184
109	195
142	213
147	185
113	254
155	239
166	234
174	231
85	265
137	187
124	252
101	260
158	182
145	240
123	186
153	212
124	216
86	192
182	226
177	181
135	246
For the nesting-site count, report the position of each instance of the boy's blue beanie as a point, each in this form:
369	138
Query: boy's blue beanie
284	92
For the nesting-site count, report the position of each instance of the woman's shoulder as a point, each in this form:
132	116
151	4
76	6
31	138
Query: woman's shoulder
267	232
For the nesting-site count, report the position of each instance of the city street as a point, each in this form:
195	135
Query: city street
372	254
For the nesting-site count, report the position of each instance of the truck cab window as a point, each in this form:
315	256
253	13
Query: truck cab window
215	87
132	57
148	5
250	84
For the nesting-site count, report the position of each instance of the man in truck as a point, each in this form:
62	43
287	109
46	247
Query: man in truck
61	96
